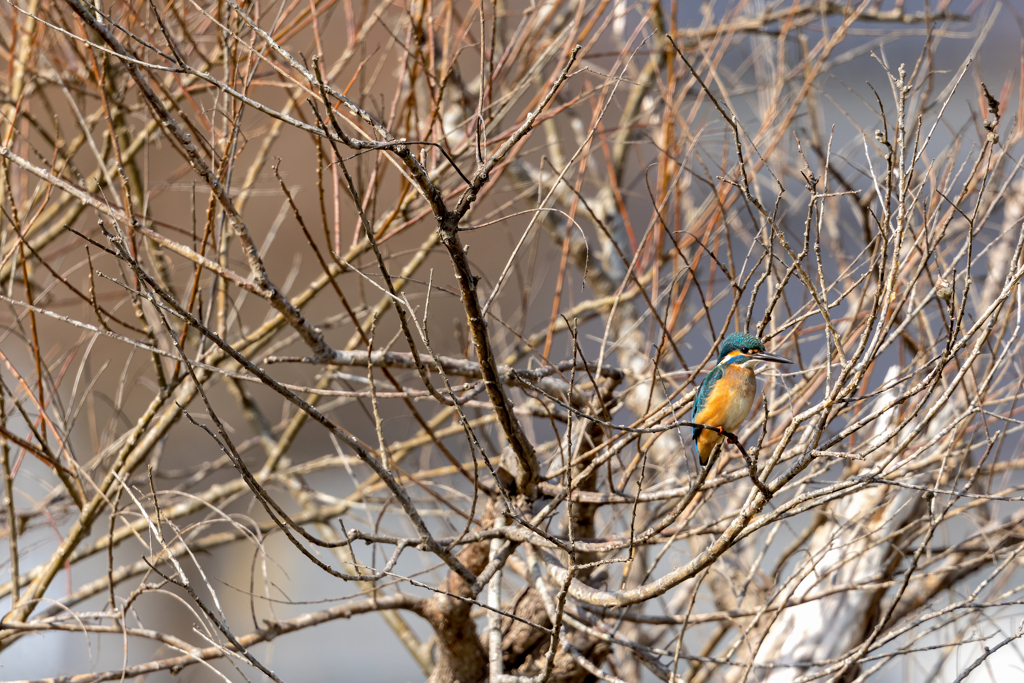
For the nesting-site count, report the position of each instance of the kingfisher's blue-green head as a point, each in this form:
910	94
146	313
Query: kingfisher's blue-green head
747	349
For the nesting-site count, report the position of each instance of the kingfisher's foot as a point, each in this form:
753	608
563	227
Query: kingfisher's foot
726	435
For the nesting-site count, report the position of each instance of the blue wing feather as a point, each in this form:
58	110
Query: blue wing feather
701	400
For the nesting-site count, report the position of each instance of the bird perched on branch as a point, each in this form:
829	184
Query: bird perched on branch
727	393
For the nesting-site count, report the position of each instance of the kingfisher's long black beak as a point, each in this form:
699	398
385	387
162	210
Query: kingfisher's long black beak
768	357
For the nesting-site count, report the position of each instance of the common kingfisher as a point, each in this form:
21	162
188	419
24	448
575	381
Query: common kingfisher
727	393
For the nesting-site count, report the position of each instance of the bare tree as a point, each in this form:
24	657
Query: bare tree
417	297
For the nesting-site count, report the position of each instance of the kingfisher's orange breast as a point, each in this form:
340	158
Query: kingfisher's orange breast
729	401
727	407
